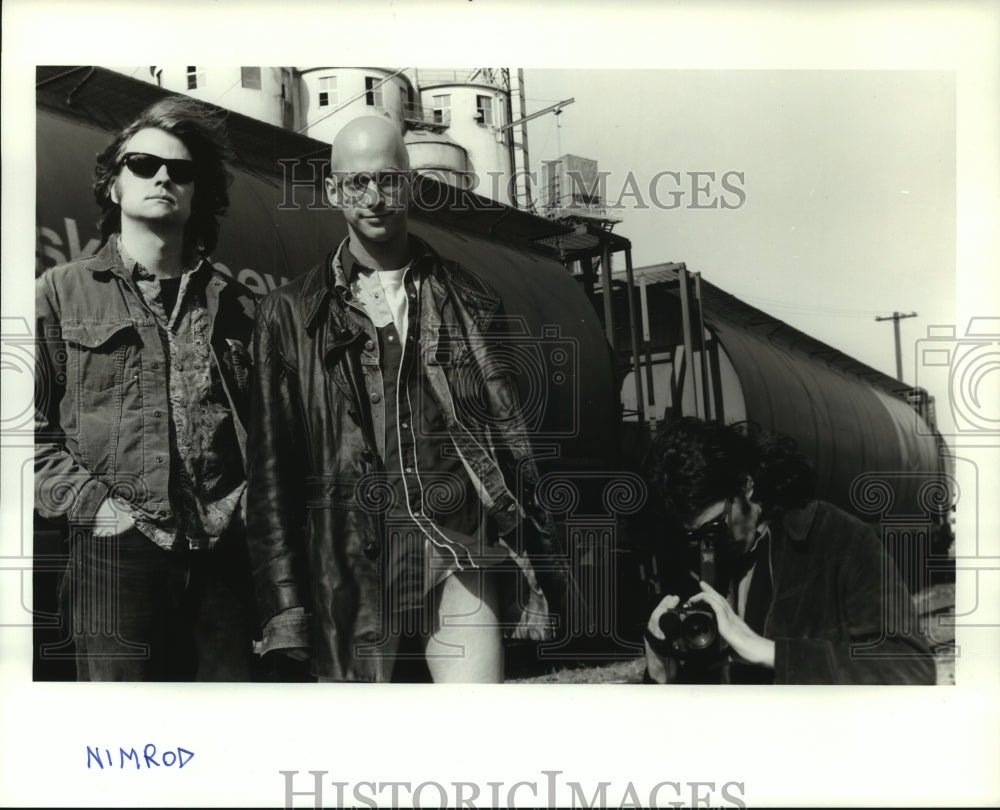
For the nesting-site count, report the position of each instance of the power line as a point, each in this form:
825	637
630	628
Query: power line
806	309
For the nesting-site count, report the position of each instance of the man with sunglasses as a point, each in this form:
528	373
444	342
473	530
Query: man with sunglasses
140	442
801	592
383	521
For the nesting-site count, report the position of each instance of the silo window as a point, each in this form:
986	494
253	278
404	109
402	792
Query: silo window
373	94
484	109
442	109
195	78
250	77
328	91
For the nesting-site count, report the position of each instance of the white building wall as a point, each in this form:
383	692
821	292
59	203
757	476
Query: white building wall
140	72
319	101
349	91
261	92
487	153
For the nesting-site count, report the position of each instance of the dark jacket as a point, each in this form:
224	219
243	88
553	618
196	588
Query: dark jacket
315	448
840	612
101	385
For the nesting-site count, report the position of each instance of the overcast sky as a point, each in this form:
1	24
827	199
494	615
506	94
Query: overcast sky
848	177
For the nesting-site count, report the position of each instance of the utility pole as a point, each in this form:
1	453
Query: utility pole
896	317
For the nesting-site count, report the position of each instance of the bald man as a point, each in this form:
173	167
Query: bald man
381	517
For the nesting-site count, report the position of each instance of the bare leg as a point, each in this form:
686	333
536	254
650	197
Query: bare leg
466	643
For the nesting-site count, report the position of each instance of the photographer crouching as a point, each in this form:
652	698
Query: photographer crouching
763	583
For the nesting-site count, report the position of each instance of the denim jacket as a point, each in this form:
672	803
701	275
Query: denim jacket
101	405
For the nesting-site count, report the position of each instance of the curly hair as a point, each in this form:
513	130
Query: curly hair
693	464
202	130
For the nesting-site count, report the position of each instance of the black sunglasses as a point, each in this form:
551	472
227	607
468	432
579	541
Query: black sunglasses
145	166
713	529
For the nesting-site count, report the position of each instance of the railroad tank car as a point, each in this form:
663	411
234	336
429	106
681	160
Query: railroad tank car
871	438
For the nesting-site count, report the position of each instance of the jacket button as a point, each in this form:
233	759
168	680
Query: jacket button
156	414
369	345
371	551
375	397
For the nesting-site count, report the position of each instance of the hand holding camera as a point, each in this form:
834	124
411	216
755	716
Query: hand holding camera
749	646
697	634
661	666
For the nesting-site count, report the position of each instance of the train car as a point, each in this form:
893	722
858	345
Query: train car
872	438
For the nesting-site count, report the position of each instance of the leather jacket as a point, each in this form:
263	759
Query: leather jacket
316	444
103	393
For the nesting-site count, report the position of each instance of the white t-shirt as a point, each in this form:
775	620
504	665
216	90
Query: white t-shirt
396	298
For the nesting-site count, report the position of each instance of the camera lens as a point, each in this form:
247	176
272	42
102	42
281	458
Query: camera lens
699	630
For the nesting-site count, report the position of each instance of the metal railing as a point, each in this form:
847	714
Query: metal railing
414	112
456	76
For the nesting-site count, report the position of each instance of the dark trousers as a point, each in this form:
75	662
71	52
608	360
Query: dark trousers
138	612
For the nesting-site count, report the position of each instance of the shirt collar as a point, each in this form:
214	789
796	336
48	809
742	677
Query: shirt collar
348	267
137	270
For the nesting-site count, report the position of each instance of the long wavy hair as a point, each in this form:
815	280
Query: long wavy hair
693	464
202	130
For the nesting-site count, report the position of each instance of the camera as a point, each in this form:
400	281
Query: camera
691	632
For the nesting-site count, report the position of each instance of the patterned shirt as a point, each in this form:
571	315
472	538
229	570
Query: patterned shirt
207	480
